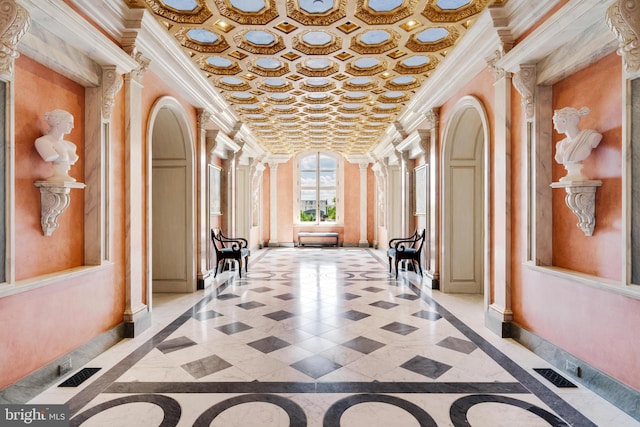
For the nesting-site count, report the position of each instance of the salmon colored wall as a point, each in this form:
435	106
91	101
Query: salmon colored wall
37	92
41	325
266	203
371	204
590	323
285	201
351	199
599	254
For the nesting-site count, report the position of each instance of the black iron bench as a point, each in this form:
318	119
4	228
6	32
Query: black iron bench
317	235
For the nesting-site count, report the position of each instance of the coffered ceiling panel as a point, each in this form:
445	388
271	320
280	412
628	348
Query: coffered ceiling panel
317	74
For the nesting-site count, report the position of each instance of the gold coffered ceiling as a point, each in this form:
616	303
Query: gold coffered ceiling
317	74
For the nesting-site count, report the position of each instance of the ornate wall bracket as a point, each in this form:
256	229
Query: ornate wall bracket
581	199
54	199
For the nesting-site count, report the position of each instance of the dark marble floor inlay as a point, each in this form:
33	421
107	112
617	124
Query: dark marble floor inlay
227	296
373	289
316	366
363	345
427	367
399	328
233	328
349	296
250	305
206	366
428	315
175	344
280	315
206	315
384	304
261	289
409	297
286	297
269	344
457	344
355	315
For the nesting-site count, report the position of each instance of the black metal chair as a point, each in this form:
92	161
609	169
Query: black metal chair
406	249
228	248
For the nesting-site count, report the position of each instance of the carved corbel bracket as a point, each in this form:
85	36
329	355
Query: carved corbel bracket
623	18
525	83
14	23
581	199
54	199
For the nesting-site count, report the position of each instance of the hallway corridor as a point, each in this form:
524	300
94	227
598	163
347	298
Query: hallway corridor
323	337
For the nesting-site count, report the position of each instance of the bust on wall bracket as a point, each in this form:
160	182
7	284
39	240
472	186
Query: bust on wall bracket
571	152
55	190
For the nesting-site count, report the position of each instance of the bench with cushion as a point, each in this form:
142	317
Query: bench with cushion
317	235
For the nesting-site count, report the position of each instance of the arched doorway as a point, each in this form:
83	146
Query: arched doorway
464	206
173	259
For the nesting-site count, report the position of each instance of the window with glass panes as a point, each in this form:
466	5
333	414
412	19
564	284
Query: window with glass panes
318	188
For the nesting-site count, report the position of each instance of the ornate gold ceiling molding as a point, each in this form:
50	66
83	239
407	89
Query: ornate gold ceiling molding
300	45
422	69
268	49
318	88
264	16
216	47
354	70
269	72
417	46
317	72
434	14
286	87
373	17
244	86
196	16
374	49
336	13
227	71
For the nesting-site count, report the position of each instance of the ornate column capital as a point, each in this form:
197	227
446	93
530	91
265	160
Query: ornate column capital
143	65
623	18
432	118
203	117
14	23
498	73
525	83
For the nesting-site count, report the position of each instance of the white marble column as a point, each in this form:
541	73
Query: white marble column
499	301
273	203
202	211
432	159
136	312
364	242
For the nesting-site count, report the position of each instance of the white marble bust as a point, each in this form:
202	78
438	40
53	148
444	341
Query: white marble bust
52	147
577	146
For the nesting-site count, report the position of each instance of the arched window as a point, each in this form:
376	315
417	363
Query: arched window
318	195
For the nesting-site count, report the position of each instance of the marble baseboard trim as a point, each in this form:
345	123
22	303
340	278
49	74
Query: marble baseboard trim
610	389
140	322
496	325
27	388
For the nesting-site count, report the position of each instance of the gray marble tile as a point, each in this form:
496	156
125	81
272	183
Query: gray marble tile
355	315
175	344
399	328
316	366
269	344
384	304
363	345
233	328
427	367
206	366
457	344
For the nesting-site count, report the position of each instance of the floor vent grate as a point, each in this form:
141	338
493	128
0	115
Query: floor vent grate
555	378
79	377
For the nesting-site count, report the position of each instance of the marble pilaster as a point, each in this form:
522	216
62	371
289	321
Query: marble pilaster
202	214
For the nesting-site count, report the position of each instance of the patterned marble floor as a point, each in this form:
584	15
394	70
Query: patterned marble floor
323	337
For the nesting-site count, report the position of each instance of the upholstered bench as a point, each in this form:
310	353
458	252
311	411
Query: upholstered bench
317	235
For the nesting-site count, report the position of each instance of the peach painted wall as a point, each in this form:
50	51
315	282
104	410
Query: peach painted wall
40	325
285	201
591	324
351	199
599	254
36	254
